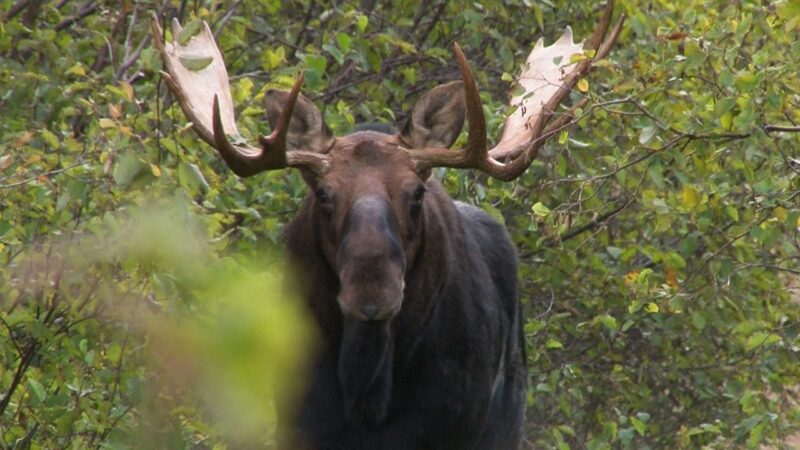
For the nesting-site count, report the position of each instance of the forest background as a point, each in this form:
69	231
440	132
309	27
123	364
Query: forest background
140	292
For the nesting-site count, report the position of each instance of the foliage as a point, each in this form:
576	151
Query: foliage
658	234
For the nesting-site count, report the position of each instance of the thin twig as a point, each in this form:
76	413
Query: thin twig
87	10
133	58
16	9
771	128
45	174
220	24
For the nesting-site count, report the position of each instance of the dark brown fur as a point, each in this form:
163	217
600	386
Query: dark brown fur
415	297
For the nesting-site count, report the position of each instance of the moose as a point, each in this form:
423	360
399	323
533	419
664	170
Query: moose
414	294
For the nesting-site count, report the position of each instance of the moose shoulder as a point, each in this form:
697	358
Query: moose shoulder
415	295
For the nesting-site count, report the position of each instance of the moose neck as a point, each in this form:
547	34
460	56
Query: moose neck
370	352
366	359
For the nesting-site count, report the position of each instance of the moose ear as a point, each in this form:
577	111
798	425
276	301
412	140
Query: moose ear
307	129
437	118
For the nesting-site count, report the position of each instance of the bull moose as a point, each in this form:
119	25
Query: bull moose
414	294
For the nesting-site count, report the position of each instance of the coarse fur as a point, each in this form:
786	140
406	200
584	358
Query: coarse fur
460	317
415	298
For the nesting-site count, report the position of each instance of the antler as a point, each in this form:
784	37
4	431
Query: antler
196	75
546	83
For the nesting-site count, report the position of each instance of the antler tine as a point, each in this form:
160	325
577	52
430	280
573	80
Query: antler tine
476	148
475	153
246	160
276	141
243	160
196	74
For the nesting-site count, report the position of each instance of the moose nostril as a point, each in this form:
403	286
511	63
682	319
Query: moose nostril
370	311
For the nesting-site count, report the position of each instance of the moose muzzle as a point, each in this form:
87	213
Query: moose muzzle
371	262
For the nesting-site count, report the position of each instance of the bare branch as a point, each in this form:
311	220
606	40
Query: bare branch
787	129
88	9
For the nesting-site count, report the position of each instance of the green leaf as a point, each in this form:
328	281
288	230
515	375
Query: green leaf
608	321
50	138
37	388
698	320
639	425
189	31
127	169
362	23
746	81
647	134
335	52
316	62
192	179
626	435
732	212
114	352
343	40
756	434
196	63
540	210
761	339
273	59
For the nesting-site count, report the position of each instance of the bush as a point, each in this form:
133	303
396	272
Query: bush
658	235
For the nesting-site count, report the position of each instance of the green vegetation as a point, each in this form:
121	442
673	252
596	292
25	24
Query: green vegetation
659	236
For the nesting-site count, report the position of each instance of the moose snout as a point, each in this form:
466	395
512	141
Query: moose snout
371	262
368	311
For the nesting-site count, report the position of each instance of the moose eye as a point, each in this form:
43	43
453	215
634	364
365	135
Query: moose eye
321	195
324	201
419	193
415	205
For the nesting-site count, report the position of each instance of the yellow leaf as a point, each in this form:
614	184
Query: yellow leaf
781	214
127	89
115	111
651	307
155	170
726	120
105	122
583	85
672	278
5	161
24	138
631	277
689	197
77	69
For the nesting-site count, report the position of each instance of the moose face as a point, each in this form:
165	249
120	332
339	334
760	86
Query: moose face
370	217
369	201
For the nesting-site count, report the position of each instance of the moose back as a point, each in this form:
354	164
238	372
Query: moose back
415	295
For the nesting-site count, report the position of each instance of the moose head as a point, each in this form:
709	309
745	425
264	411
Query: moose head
368	187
